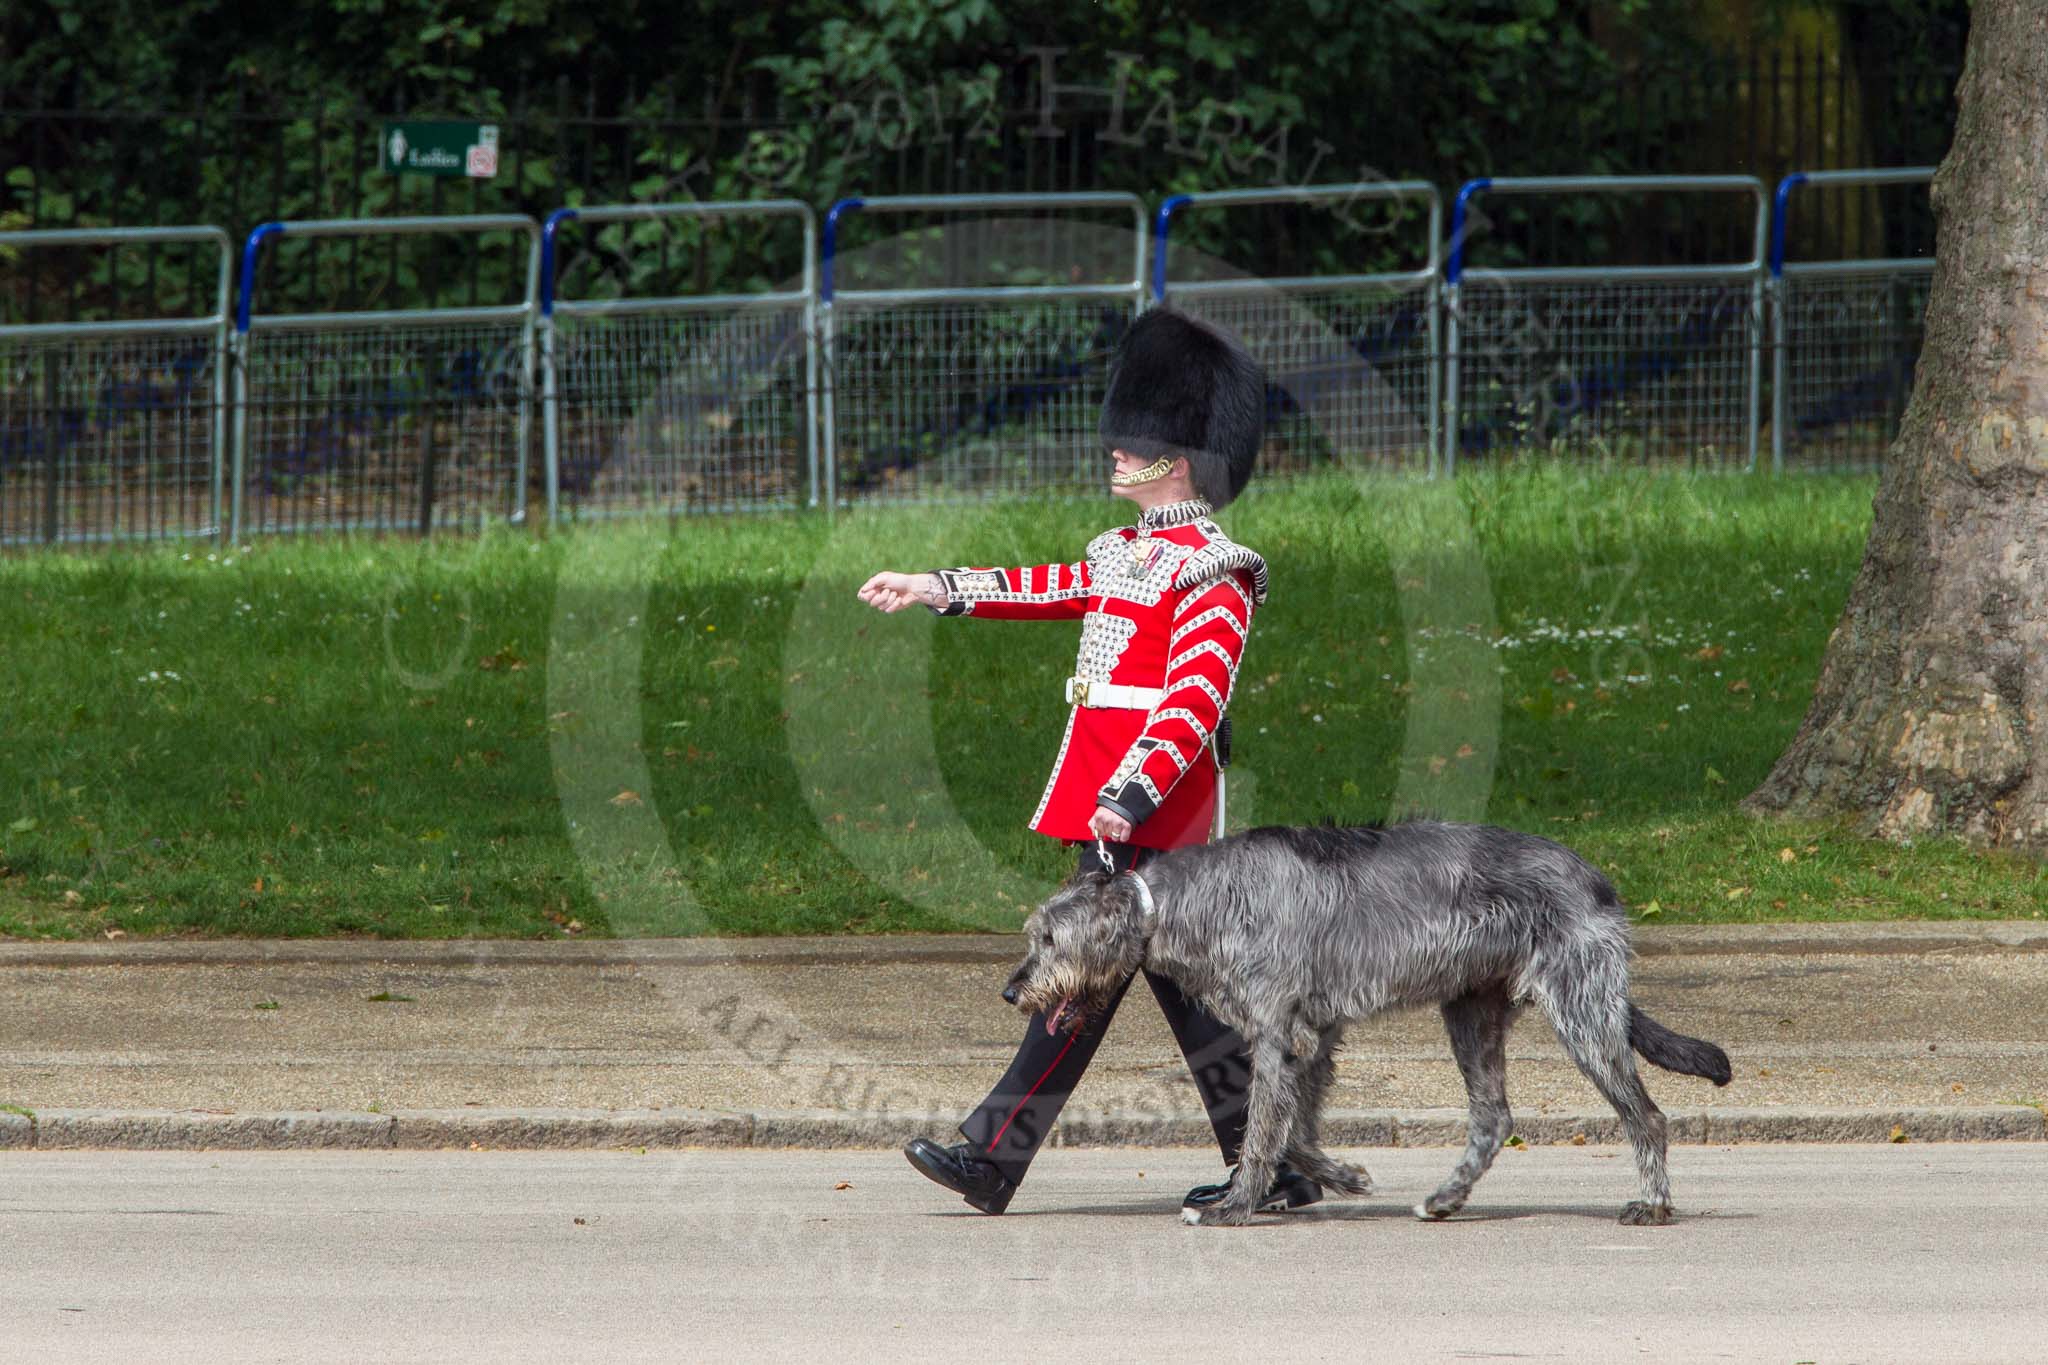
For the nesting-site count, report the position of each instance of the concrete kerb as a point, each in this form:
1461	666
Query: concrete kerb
1651	940
565	1130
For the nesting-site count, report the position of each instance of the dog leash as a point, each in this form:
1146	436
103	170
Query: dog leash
1149	906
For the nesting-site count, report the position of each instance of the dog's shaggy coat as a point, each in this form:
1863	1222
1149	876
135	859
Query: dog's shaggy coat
1289	935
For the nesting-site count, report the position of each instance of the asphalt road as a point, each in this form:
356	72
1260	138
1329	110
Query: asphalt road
1783	1253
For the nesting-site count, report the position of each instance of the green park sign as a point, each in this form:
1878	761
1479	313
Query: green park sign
440	148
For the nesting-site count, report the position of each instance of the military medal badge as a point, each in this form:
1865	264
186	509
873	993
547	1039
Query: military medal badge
1145	552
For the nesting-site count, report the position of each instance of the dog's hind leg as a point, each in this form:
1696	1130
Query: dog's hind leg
1604	1054
1478	1026
1269	1122
1305	1152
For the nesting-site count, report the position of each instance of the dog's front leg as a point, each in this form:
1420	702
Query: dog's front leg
1269	1119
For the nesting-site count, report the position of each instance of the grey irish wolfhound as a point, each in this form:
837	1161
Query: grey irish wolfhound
1289	935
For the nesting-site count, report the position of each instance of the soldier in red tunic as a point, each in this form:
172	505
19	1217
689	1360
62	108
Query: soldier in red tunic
1165	607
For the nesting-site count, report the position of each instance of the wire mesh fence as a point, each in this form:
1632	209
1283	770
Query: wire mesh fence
1351	372
692	412
1642	372
114	430
384	420
686	403
1850	343
384	427
1846	332
958	388
781	396
968	399
1643	364
108	439
1353	361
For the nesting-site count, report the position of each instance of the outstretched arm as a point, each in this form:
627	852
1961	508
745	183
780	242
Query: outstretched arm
1043	592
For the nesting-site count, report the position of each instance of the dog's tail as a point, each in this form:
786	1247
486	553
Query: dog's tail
1675	1051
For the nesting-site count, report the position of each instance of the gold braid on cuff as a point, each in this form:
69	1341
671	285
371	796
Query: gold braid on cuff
1156	470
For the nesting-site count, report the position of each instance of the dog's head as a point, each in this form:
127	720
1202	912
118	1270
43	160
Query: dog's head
1080	946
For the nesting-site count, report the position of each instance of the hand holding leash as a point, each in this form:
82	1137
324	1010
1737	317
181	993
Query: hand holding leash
1107	824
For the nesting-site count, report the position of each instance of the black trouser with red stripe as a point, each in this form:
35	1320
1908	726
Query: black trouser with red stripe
1011	1123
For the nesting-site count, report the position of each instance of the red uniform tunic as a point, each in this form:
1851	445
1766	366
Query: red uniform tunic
1166	606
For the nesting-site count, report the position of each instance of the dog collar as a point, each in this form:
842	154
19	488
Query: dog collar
1145	901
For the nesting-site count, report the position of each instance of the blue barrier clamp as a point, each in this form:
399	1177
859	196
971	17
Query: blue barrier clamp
1162	223
1781	206
252	249
831	243
1455	265
547	258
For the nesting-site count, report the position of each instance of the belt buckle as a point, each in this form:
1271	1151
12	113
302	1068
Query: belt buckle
1080	691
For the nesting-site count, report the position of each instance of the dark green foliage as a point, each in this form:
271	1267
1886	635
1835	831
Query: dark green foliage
231	112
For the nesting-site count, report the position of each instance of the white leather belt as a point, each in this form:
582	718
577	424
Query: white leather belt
1114	696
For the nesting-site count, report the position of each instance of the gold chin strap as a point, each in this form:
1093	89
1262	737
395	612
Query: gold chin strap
1156	470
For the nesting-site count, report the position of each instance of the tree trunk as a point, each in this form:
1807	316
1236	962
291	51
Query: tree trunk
1931	715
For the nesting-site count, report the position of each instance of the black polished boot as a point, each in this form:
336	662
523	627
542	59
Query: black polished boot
1291	1190
964	1173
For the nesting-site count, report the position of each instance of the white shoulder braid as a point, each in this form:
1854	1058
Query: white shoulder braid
1222	555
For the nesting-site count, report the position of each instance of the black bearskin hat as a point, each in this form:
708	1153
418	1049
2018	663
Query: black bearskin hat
1179	386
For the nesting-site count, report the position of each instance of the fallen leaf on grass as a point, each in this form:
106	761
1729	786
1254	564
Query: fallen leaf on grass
387	998
1786	855
626	798
1898	1134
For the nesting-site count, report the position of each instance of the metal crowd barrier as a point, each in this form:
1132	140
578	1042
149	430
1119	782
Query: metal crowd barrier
1845	336
679	403
113	430
946	392
400	419
1649	364
1351	359
421	418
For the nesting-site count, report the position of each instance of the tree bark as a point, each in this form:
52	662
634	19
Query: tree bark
1929	716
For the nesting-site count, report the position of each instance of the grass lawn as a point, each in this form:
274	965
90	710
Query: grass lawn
631	730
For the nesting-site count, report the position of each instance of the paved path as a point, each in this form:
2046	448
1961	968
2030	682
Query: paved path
1785	1253
1836	1031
